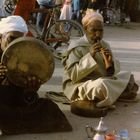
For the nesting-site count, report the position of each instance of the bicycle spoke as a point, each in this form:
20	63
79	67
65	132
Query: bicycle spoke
59	34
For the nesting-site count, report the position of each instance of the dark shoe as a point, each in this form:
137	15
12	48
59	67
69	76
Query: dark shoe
87	109
129	94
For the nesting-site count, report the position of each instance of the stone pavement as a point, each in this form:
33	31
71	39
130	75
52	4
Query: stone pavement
125	43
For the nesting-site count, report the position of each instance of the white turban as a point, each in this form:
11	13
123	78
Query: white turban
13	23
90	17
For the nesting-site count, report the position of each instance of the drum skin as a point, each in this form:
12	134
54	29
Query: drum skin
27	56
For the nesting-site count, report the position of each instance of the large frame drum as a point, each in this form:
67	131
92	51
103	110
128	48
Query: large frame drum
27	56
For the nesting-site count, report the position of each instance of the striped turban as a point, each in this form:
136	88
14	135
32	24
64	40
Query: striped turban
90	17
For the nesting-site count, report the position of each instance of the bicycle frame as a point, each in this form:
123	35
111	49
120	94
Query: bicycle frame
56	33
49	20
47	23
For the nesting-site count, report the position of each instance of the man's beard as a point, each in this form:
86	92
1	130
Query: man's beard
94	40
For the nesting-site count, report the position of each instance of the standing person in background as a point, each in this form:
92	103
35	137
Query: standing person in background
41	17
83	7
76	15
58	9
93	6
24	8
66	11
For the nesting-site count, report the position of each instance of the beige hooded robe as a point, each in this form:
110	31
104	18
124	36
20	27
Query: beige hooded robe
84	79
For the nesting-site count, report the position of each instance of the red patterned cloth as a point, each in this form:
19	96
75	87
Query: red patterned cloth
24	8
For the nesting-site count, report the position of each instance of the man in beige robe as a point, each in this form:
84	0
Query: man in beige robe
91	72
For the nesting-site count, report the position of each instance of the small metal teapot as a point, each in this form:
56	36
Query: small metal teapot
97	133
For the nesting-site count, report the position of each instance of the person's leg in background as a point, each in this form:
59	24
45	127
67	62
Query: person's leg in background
41	17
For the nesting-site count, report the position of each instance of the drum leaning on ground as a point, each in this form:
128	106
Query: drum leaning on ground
27	56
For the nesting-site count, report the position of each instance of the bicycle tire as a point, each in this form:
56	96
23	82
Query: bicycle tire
67	29
110	15
8	7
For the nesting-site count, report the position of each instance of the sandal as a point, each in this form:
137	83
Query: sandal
87	109
129	95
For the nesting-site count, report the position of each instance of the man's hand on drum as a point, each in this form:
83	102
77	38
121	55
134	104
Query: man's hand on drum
3	71
33	83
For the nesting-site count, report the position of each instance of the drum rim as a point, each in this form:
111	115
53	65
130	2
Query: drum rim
3	59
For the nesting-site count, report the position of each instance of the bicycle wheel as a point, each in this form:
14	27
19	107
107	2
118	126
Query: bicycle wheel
60	33
110	15
8	7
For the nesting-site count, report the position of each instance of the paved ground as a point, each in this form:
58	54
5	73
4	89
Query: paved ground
125	43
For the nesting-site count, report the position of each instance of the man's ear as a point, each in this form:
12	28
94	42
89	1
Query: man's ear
85	28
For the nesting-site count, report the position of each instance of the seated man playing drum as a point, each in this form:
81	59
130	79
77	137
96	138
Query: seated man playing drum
92	77
11	28
21	109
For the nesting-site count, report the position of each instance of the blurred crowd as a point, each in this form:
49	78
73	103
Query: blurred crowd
69	9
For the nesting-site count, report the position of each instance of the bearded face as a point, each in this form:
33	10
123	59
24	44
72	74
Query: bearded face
94	31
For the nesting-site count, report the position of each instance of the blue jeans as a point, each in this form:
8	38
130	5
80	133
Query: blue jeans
41	17
45	2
